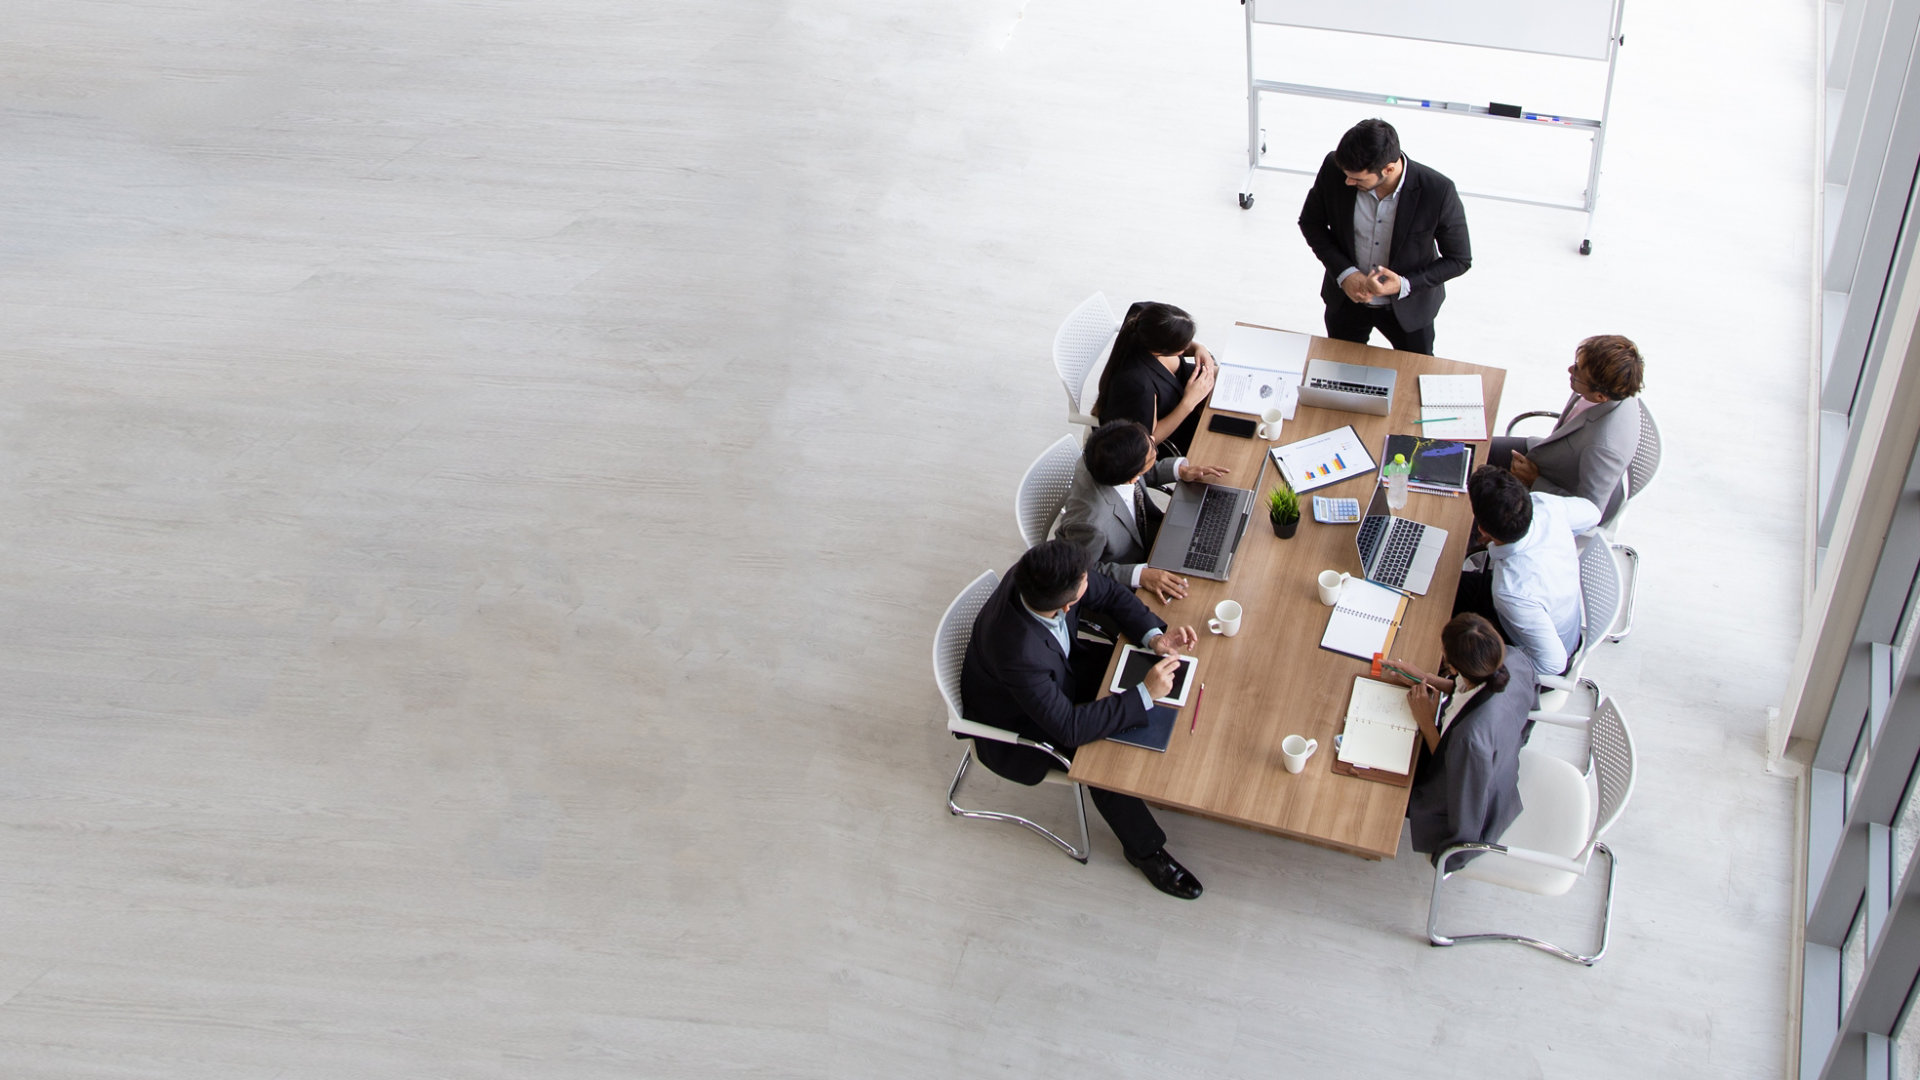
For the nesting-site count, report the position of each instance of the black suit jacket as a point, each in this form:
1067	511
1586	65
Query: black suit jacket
1429	245
1468	789
1016	677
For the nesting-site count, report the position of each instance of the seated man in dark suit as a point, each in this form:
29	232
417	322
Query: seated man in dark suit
1108	513
1027	671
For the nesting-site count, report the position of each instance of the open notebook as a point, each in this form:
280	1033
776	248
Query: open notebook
1364	621
1459	397
1380	727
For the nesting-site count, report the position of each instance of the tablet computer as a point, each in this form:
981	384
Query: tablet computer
1132	670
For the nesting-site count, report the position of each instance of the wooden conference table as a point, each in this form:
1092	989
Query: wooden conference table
1272	679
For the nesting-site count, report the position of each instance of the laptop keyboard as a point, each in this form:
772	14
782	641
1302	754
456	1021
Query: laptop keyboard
1349	387
1210	530
1402	539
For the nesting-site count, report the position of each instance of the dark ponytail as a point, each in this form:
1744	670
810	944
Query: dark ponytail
1150	329
1475	650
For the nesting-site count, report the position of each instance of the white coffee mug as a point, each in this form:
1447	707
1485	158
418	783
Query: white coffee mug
1270	422
1331	582
1296	750
1226	618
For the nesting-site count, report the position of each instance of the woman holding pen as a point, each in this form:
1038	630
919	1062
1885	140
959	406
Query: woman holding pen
1158	376
1466	788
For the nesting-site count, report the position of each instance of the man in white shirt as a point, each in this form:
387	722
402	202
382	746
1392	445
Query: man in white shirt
1531	587
1108	515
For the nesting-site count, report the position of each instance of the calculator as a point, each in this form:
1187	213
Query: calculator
1335	511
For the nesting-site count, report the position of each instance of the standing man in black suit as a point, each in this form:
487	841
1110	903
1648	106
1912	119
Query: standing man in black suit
1390	232
1028	671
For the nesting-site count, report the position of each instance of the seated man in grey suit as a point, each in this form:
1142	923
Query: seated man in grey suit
1466	788
1108	513
1588	451
1028	670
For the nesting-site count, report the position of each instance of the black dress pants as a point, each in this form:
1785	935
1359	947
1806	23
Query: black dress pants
1348	321
1128	816
1500	450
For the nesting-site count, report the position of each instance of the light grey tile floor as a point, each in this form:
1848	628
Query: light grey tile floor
479	482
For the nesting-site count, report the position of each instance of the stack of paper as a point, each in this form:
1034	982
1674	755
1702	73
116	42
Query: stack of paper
1380	727
1452	407
1259	370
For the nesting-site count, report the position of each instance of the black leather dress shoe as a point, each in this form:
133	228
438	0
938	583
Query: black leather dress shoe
1168	876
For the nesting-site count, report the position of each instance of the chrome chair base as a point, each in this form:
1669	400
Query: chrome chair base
1078	854
1435	938
1624	622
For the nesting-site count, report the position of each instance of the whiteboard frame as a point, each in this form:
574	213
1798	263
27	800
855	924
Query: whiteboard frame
1256	136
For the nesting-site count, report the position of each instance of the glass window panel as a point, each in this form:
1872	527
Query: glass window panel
1906	1043
1906	829
1853	958
1856	765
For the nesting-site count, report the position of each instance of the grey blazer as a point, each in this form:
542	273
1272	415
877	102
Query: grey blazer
1468	789
1588	455
1097	521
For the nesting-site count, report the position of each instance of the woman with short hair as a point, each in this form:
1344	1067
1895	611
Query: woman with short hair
1590	447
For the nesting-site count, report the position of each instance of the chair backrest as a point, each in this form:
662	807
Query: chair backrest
1599	589
950	640
1080	342
1043	491
1612	764
1646	456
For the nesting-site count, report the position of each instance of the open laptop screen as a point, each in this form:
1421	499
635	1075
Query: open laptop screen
1373	528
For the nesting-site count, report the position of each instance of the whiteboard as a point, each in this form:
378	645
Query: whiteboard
1577	28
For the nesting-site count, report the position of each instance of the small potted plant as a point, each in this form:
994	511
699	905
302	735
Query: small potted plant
1283	509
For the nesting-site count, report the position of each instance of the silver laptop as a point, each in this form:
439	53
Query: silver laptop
1203	528
1349	387
1395	551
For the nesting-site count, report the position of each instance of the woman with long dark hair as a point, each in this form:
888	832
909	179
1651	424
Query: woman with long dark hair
1466	788
1157	376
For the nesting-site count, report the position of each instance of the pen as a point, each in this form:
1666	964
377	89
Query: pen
1436	419
1195	722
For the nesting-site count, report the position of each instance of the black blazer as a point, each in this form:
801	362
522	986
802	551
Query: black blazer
1429	237
1016	677
1468	789
1140	388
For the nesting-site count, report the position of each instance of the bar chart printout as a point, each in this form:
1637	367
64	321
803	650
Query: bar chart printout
1323	459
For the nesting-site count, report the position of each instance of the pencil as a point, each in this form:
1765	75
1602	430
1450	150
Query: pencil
1428	420
1198	698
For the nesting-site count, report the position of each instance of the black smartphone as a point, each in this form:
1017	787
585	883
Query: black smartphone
1237	426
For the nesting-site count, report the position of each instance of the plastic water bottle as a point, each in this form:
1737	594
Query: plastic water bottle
1397	471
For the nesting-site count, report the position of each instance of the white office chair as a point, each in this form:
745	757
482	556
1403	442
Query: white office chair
1599	606
1552	843
1640	470
1646	462
1043	491
949	652
1581	703
1079	345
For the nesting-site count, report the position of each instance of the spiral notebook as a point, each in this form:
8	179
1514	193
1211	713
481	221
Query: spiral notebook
1365	620
1453	407
1380	728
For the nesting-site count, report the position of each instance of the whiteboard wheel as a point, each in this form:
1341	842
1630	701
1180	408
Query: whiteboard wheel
1246	201
1586	247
